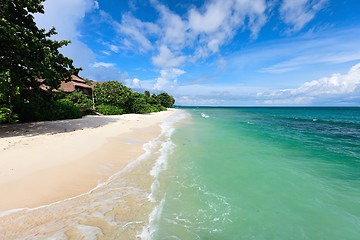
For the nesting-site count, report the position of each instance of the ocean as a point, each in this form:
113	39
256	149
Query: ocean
261	173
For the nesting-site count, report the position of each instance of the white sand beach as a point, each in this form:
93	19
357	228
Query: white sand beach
45	162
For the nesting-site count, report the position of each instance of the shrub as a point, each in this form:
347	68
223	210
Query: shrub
81	100
157	108
66	109
166	100
7	115
112	93
46	110
109	110
139	104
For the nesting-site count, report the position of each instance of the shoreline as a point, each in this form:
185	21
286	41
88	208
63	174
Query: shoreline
47	168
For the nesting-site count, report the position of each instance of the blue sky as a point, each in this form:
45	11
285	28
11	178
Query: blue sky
218	52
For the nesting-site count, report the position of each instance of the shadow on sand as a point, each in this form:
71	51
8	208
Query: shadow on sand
51	127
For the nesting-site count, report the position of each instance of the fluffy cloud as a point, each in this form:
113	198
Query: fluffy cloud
173	28
66	16
167	59
133	83
298	13
220	20
168	79
337	86
136	32
199	33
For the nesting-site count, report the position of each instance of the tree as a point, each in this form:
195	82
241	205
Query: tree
81	100
139	104
88	81
112	93
147	93
166	100
27	54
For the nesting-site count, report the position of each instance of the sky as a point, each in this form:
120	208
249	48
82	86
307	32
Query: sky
217	52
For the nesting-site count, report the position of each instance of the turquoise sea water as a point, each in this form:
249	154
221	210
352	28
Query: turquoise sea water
263	173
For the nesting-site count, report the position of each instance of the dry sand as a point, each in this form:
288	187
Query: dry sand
41	163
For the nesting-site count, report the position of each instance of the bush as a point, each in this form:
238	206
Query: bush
157	108
7	115
46	110
34	110
109	110
81	100
65	109
139	104
112	93
166	100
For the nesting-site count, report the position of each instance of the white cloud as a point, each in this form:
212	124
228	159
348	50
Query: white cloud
168	79
199	32
212	19
66	16
106	53
336	86
102	64
167	59
134	30
134	83
114	48
220	20
96	5
298	13
174	29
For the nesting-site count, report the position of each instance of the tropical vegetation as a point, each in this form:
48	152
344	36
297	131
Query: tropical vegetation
113	97
32	67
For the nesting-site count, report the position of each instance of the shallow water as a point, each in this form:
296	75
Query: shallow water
263	173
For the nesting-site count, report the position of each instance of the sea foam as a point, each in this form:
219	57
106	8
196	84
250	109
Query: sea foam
161	164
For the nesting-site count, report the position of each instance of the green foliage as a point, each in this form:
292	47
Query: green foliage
157	108
147	94
66	109
27	54
7	115
112	93
166	100
81	100
46	111
114	98
139	104
88	81
152	100
109	110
